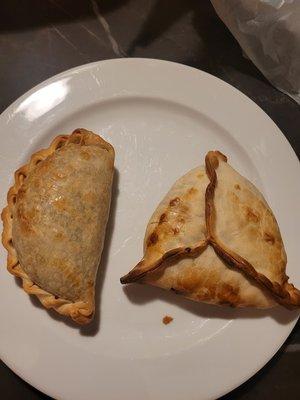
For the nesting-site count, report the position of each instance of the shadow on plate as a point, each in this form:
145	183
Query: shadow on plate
92	328
141	294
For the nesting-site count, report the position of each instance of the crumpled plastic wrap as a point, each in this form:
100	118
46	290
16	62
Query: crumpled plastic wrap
269	33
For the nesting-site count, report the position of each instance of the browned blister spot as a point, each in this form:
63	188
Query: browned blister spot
189	195
184	209
163	218
251	216
174	202
269	238
237	186
176	230
153	239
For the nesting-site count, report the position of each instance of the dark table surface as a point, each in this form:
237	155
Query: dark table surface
39	39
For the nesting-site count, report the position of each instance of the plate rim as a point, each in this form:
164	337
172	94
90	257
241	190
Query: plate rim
90	65
80	68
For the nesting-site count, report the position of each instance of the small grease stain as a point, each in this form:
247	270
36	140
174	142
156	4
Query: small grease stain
167	319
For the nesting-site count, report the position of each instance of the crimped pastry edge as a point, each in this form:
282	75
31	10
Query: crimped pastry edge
286	294
81	312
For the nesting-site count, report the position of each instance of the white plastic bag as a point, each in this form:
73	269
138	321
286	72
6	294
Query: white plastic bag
269	33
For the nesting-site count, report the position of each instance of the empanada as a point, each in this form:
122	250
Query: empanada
214	239
55	221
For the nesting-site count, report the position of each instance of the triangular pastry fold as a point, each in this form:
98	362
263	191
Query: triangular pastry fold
55	221
213	238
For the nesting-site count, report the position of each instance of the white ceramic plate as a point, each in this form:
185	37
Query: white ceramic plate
161	118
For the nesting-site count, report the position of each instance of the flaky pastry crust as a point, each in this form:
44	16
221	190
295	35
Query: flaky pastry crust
80	311
285	294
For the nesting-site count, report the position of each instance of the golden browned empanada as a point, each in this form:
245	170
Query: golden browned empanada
214	238
55	221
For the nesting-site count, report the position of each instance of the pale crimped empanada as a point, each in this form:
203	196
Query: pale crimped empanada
55	221
214	238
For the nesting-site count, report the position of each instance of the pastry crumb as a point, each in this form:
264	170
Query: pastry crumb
167	319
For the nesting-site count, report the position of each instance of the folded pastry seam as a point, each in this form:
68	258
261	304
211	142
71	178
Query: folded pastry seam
285	294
